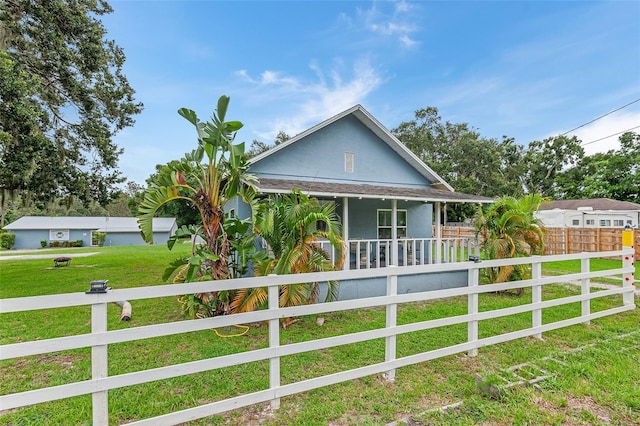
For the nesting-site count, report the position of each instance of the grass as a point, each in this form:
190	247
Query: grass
585	384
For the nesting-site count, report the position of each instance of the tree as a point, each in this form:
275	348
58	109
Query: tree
547	161
292	225
207	178
509	229
613	174
60	72
463	158
258	147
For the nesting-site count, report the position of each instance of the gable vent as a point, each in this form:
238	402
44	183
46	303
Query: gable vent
348	162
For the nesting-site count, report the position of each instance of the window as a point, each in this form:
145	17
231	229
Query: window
591	221
384	224
348	162
618	222
605	222
575	222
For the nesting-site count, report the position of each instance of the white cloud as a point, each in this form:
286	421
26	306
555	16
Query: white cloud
602	135
309	102
398	24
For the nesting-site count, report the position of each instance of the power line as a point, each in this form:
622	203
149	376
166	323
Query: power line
602	116
598	140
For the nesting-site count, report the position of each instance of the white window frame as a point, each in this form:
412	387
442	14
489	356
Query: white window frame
400	227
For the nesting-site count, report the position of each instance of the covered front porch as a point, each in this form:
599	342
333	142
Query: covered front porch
384	225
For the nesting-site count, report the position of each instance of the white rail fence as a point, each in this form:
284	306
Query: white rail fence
99	338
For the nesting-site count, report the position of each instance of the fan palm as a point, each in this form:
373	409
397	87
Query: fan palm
508	229
292	226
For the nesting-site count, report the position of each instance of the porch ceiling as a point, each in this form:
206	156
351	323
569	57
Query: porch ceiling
334	189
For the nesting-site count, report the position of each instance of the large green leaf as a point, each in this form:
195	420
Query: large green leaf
190	115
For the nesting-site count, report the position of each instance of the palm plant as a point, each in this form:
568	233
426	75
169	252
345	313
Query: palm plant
207	177
508	229
292	226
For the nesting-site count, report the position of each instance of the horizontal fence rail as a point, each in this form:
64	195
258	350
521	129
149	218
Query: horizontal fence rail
99	338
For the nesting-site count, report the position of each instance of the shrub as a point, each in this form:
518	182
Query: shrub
7	240
98	238
43	243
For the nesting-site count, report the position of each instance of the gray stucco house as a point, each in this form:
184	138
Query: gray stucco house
121	231
385	195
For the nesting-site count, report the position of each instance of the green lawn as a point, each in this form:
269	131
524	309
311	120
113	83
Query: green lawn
593	385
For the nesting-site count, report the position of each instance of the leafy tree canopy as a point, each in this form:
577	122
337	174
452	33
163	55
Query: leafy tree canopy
614	174
64	96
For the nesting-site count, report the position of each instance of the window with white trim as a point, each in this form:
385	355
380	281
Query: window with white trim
575	222
618	222
385	227
605	222
591	221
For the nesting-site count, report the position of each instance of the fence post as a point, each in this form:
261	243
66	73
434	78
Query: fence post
99	365
585	286
391	322
274	342
627	262
536	295
472	302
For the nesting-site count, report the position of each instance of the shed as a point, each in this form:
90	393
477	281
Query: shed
121	231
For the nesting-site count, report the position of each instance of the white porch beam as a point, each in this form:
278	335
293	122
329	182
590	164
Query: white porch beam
345	232
438	212
394	233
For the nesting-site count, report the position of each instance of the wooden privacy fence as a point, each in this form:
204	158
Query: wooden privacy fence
567	240
576	240
100	337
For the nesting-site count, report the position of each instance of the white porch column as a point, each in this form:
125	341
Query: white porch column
345	233
438	212
394	233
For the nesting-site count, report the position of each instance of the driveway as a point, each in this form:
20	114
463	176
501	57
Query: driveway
26	255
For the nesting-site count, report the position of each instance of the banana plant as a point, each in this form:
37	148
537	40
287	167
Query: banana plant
208	177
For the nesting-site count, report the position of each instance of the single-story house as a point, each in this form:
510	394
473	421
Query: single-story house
121	231
589	213
388	200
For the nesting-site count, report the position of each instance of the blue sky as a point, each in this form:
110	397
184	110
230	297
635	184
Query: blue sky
527	70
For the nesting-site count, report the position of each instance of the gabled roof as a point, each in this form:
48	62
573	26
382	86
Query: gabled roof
593	203
381	132
103	224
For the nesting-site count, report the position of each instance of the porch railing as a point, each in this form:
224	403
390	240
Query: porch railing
378	253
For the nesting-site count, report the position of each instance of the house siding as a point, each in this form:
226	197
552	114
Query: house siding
363	217
320	156
374	287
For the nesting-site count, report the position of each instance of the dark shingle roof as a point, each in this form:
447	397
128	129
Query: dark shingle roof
594	203
332	189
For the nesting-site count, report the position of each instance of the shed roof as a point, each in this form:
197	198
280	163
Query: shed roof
103	224
325	189
594	203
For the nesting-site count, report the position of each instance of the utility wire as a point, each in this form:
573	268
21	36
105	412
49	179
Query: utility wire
598	118
598	140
